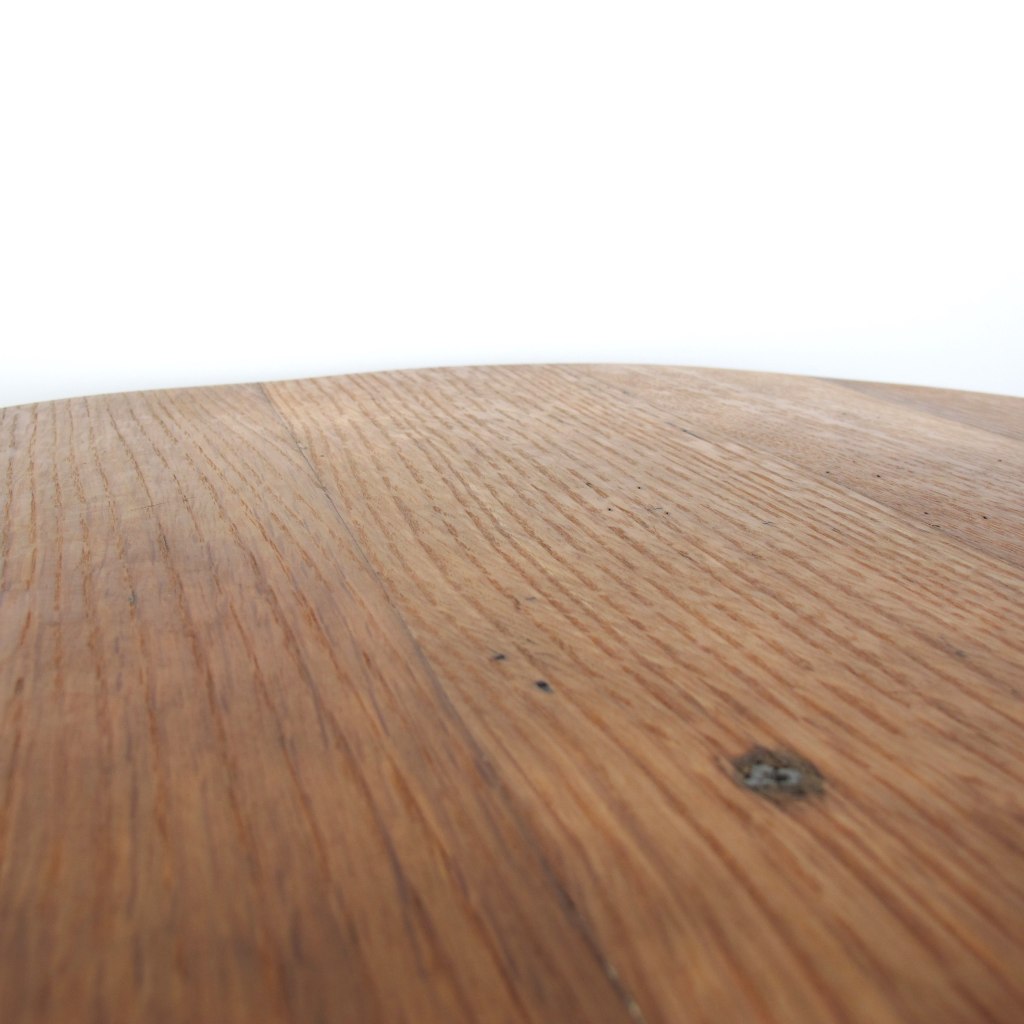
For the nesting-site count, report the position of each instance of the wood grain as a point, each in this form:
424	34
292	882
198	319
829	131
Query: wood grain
274	746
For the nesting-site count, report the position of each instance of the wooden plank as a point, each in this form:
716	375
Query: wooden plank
233	788
425	697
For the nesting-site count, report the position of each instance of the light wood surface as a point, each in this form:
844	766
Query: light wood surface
568	695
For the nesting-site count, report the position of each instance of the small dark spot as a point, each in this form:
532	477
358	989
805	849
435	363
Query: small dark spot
878	476
542	684
531	598
777	774
960	654
497	657
589	484
767	522
984	517
609	508
638	487
132	600
935	526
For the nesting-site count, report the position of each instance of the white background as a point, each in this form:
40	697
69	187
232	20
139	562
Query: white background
207	191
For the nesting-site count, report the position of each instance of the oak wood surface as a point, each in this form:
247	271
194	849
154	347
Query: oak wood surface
418	697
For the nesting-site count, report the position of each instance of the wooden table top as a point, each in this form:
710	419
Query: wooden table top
568	695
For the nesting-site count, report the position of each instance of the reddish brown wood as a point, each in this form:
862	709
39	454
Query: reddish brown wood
274	744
